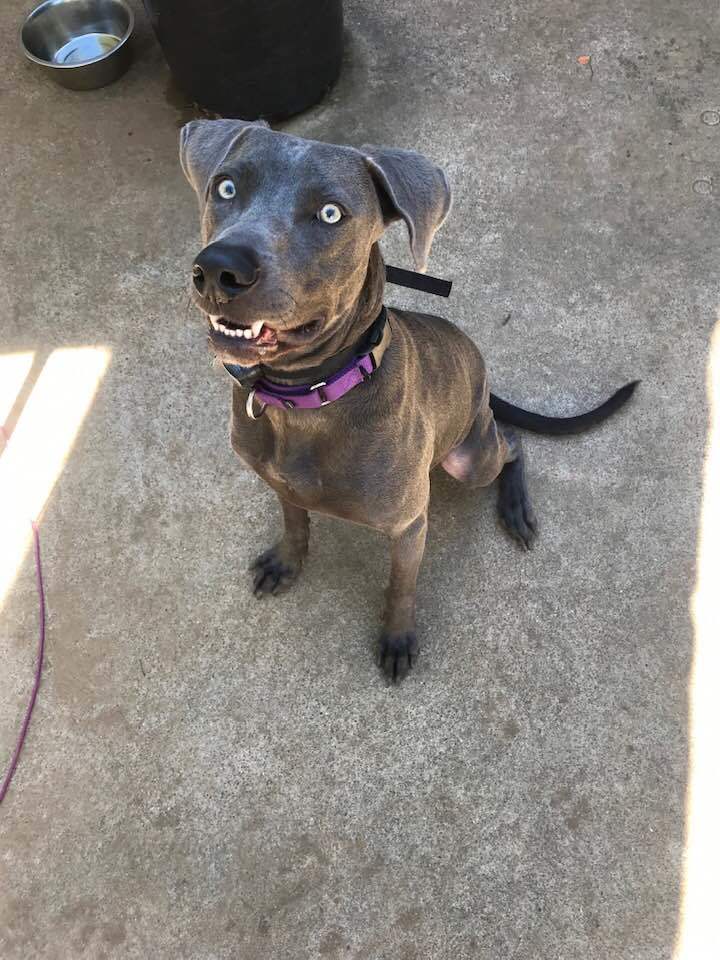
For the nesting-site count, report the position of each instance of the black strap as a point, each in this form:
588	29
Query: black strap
418	281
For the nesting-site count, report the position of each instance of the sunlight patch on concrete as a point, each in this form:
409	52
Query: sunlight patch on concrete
38	448
699	929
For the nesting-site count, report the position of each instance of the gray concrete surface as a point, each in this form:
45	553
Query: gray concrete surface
209	777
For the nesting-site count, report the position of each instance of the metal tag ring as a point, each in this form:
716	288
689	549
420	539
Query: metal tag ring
249	406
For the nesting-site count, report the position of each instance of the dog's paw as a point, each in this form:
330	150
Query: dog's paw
397	653
272	573
517	515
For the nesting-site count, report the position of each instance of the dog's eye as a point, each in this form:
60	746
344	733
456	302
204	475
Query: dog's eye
226	189
330	213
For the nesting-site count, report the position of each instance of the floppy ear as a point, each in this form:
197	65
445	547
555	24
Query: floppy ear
410	187
204	144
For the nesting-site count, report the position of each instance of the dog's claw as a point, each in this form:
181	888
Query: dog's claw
271	574
396	652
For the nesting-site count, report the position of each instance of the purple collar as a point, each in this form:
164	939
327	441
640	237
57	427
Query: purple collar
310	397
315	394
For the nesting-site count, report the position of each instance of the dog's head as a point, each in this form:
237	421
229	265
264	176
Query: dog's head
289	226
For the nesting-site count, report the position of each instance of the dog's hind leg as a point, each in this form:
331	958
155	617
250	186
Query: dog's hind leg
277	569
486	453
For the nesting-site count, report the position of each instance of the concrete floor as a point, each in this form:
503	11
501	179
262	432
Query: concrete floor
209	777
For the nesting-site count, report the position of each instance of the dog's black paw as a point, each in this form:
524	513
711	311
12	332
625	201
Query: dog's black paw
517	515
397	653
272	574
514	507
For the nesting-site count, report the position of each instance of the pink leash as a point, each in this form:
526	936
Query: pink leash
39	666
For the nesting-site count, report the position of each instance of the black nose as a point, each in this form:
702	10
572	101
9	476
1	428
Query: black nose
222	271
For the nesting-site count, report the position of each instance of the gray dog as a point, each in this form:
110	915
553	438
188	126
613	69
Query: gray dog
340	405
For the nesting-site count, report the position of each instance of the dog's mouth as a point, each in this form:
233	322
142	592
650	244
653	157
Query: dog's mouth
234	337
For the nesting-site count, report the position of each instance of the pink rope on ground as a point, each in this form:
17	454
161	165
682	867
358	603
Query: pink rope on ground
38	667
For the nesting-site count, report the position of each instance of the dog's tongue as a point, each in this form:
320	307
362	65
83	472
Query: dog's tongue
267	336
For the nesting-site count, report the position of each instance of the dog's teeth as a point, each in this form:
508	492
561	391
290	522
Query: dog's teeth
250	333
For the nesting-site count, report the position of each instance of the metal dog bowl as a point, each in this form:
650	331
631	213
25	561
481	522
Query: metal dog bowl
82	44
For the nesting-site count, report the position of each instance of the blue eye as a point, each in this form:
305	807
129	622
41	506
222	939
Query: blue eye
330	213
226	189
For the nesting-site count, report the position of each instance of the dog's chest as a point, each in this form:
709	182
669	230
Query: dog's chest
292	464
320	470
295	473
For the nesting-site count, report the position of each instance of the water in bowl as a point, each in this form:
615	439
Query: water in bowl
87	47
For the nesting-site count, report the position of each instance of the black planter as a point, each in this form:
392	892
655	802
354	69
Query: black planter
251	58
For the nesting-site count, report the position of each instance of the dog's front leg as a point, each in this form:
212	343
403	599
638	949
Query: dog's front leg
398	641
277	568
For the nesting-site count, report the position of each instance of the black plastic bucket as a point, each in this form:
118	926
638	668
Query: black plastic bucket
251	58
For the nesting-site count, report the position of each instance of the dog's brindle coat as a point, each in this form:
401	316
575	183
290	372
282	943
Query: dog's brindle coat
317	287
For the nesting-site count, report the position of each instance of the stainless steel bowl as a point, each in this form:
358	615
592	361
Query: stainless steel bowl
82	44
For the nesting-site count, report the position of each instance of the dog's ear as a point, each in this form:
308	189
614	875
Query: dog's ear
204	144
410	187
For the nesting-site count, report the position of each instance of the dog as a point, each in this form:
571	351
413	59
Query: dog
341	405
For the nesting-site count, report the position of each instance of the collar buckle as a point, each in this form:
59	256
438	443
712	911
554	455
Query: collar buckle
320	392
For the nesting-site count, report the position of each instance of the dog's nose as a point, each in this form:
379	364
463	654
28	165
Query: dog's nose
222	271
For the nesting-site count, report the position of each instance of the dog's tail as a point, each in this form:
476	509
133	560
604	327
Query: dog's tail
559	426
